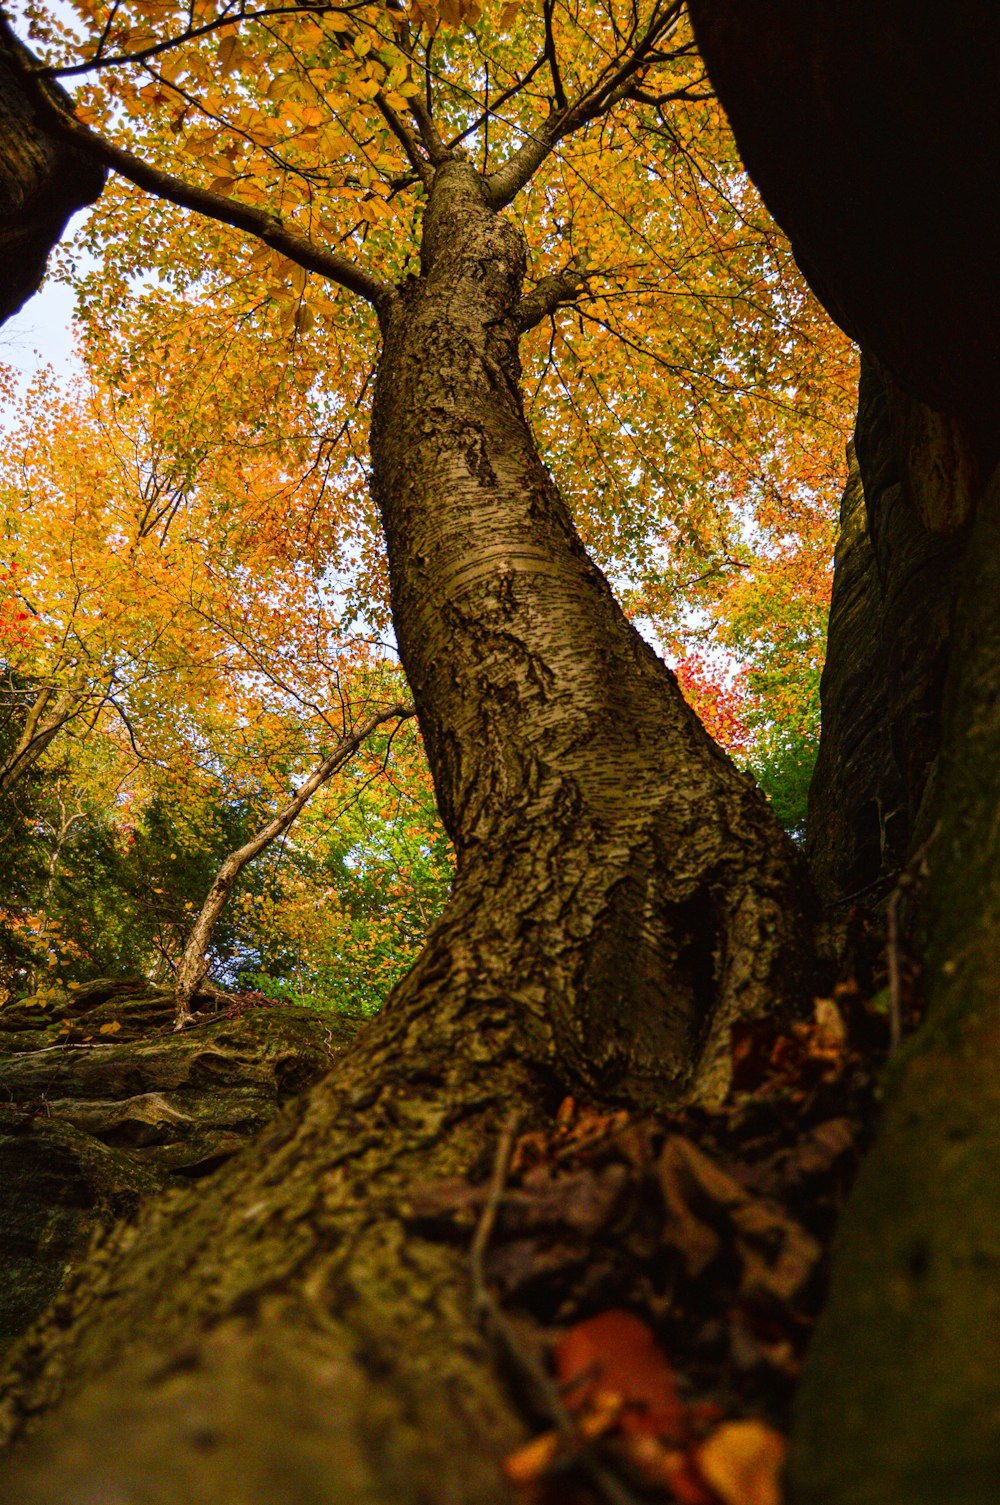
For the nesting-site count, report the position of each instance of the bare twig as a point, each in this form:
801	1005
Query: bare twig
544	1388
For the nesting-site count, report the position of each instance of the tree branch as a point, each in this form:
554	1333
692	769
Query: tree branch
416	158
503	185
552	292
559	93
191	967
256	222
429	135
192	34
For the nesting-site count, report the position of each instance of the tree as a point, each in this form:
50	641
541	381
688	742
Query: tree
130	564
191	967
608	922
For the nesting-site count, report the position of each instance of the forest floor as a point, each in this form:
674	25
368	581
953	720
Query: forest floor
651	1283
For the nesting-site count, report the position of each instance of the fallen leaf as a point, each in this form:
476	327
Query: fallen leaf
659	1466
615	1352
529	1463
581	1200
743	1461
778	1256
822	1146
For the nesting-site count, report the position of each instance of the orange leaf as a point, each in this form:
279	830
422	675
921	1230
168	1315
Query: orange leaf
530	1462
616	1352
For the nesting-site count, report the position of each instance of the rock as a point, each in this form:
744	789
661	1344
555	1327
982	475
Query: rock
102	1104
896	579
59	1186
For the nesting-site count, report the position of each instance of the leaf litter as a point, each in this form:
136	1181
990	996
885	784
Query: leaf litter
652	1282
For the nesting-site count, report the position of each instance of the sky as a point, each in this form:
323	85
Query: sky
42	332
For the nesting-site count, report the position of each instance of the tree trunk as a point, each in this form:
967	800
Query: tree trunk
622	893
901	1394
904	531
42	181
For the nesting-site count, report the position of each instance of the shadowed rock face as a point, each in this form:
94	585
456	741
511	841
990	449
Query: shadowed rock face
904	526
90	1123
43	180
872	128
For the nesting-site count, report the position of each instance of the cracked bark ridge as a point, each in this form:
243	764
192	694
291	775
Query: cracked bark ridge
42	180
622	892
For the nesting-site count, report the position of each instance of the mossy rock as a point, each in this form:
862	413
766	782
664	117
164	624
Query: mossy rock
59	1186
106	1104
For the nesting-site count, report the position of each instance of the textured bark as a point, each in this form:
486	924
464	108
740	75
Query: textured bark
901	1395
42	181
872	128
622	892
904	531
634	883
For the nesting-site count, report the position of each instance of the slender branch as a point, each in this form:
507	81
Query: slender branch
416	158
559	93
192	34
256	222
489	112
429	135
552	292
191	967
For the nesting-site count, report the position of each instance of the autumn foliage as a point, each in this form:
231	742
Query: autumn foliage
190	554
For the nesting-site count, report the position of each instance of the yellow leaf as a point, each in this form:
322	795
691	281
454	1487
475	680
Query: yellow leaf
743	1460
230	55
109	1029
280	87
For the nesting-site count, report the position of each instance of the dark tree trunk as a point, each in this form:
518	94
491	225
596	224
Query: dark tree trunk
904	530
622	893
42	181
874	131
872	128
